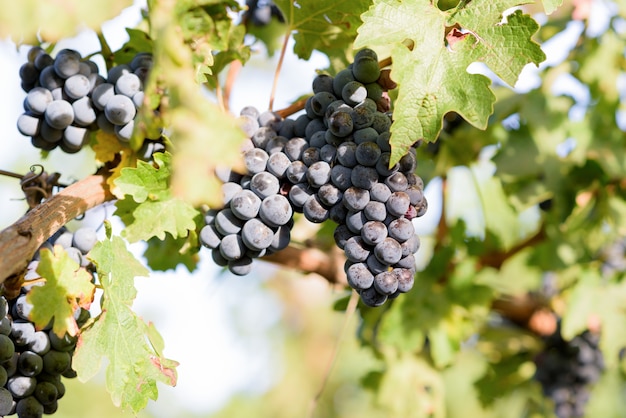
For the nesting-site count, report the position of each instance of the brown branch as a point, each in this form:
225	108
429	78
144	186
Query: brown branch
20	241
497	258
293	108
329	264
231	76
283	50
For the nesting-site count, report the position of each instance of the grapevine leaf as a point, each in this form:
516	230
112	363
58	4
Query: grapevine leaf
67	287
135	361
153	210
327	25
147	181
30	21
432	71
107	148
167	254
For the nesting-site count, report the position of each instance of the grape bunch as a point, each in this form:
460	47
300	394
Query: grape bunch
67	99
260	12
32	362
566	369
331	162
256	218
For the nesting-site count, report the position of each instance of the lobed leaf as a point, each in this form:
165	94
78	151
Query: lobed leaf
431	50
67	287
132	347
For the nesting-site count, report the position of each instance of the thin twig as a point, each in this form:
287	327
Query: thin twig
10	174
293	108
231	76
352	303
105	49
283	50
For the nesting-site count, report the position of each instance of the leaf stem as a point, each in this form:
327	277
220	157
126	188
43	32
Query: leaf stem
106	52
278	68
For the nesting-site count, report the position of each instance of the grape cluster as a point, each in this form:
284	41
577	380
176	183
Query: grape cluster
67	99
332	162
32	362
256	219
566	369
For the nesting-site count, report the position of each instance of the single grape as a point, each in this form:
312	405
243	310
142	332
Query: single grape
364	177
59	114
40	343
346	154
341	177
397	182
29	407
281	239
125	132
337	213
410	246
355	198
294	148
320	102
229	190
359	277
406	279
313	209
353	93
329	195
240	267
29	363
84	113
328	153
407	262
356	249
245	204
7	348
128	85
366	69
276	145
372	298
310	155
38	99
227	223
363	117
373	232
77	86
116	72
22	332
340	123
296	172
262	136
388	251
374	91
271	120
318	174
386	283
6	402
381	123
28	125
74	138
21	386
401	229
398	203
342	78
375	211
67	63
264	184
102	94
232	247
275	210
382	165
120	110
255	160
355	221
256	235
367	154
46	393
323	83
299	194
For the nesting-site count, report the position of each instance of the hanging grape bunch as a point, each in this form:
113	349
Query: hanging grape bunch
332	162
67	99
32	361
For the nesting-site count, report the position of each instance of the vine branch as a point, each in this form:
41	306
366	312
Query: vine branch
20	241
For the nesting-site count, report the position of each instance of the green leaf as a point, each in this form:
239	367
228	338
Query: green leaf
432	71
132	347
67	287
152	211
30	21
328	26
169	253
